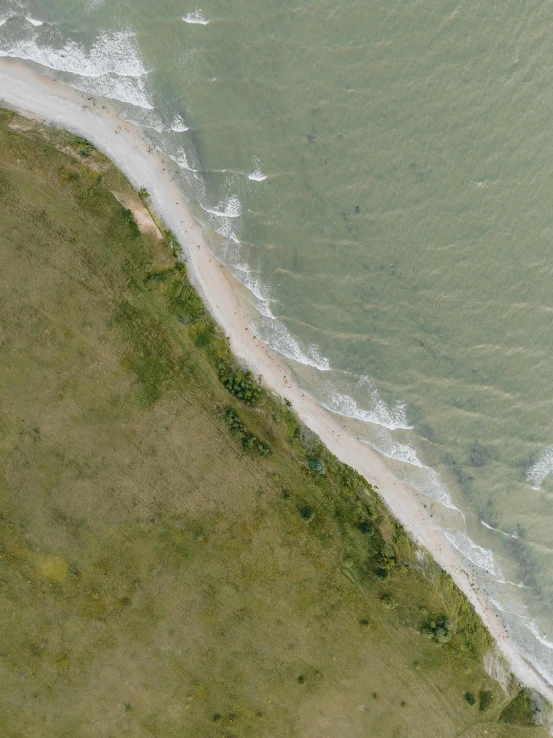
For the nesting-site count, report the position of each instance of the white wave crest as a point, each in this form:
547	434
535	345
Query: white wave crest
481	557
379	413
541	469
125	89
271	330
34	21
396	451
246	277
178	125
197	17
114	53
277	336
499	607
496	530
111	68
182	161
433	487
226	230
533	628
229	208
257	175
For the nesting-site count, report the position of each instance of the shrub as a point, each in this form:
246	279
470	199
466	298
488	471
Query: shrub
439	629
485	699
469	698
307	513
240	383
366	528
387	557
316	465
250	442
85	146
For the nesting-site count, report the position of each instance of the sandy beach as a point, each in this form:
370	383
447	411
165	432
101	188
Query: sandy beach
38	96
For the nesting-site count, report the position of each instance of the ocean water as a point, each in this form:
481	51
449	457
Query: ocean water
377	177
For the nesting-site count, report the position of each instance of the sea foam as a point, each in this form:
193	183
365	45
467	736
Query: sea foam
481	557
257	175
496	530
197	17
401	452
277	336
271	329
541	469
112	67
229	208
379	413
533	628
178	125
181	159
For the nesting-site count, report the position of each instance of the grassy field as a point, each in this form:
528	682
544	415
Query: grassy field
178	556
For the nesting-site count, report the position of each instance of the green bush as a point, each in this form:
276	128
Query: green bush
469	698
439	629
485	699
367	528
316	465
307	513
85	146
240	383
250	442
387	557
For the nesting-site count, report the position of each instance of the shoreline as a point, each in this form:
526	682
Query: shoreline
36	95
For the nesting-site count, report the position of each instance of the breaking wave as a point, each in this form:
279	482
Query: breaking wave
533	628
481	557
276	335
229	208
379	413
401	452
257	175
541	469
271	329
197	17
178	125
181	159
112	67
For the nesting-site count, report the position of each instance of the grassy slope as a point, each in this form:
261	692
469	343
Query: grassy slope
157	578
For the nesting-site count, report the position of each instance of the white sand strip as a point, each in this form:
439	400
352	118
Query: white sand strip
39	96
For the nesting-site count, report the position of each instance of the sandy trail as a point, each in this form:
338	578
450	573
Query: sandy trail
36	95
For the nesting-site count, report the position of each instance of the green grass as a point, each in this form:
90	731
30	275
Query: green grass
161	574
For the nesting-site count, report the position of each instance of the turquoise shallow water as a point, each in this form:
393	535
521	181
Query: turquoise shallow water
378	176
